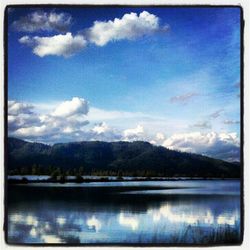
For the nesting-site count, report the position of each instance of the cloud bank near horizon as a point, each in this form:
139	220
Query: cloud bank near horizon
69	121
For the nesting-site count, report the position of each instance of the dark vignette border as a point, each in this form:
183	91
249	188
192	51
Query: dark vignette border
58	6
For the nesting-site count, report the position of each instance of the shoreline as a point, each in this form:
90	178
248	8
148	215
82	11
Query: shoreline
24	180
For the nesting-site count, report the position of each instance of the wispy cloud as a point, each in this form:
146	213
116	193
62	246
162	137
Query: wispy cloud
183	99
229	122
237	85
216	113
202	125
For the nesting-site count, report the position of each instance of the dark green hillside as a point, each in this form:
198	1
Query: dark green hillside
112	158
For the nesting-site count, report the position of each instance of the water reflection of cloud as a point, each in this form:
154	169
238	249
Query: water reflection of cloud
128	221
61	220
31	220
51	239
21	219
91	226
33	232
192	217
16	218
47	226
225	219
94	223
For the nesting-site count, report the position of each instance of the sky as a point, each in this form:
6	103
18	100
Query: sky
169	76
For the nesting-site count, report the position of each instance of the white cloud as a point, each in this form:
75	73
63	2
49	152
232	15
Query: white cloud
160	136
219	145
15	108
21	115
133	134
43	21
101	128
58	45
68	120
130	26
22	121
68	108
230	138
33	130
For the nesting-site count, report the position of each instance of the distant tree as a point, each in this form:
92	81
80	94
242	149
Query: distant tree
23	171
56	173
34	169
78	178
81	170
62	178
119	175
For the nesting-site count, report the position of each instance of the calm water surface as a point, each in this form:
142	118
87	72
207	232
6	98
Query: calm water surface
122	212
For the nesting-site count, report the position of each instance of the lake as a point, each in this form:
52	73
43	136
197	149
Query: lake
152	212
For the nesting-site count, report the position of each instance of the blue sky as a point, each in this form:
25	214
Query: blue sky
166	75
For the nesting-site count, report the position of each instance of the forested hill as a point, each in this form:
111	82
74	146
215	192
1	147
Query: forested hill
112	158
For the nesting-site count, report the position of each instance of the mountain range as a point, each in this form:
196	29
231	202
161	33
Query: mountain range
138	158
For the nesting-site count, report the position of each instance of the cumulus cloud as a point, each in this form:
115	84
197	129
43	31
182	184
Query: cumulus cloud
65	122
15	108
58	45
219	145
183	99
133	134
43	21
75	106
32	131
160	136
230	122
68	120
21	121
103	132
158	139
101	128
20	115
130	26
